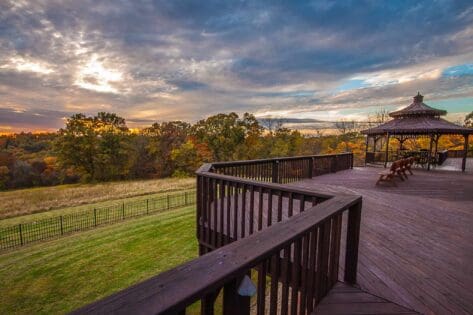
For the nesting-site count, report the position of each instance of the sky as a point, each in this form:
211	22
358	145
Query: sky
152	61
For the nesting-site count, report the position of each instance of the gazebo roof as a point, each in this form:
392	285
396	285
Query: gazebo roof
416	119
418	108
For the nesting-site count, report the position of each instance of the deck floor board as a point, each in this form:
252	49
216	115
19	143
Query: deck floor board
416	243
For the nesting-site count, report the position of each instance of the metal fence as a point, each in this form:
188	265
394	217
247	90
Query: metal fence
29	232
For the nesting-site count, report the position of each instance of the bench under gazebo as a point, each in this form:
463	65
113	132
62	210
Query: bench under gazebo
417	120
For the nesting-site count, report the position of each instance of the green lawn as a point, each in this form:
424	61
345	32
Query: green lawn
61	275
32	200
88	207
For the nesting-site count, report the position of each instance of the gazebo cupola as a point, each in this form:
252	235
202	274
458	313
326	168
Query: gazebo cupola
416	120
418	109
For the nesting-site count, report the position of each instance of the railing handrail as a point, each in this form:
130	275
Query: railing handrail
203	171
288	158
173	290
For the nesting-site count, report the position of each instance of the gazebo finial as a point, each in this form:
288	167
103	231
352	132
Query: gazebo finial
418	98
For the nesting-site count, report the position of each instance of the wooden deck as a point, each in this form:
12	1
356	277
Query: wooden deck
416	243
347	300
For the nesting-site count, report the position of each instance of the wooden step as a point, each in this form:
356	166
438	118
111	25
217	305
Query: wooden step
346	299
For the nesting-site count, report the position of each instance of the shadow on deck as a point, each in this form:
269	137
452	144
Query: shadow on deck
416	242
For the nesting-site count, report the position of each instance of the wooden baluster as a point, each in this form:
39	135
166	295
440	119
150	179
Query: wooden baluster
270	208
295	276
229	213
322	260
311	275
335	250
302	204
304	267
222	203
290	210
243	210
235	212
273	297
280	206
260	209
261	293
215	213
285	280
353	237
252	208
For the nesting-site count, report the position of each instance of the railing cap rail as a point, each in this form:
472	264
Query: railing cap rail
177	288
243	162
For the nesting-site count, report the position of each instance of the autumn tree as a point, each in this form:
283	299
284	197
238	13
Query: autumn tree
164	138
97	146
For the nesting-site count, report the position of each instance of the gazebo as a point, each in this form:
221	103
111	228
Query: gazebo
414	121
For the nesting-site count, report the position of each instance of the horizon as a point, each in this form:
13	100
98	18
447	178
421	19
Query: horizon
158	61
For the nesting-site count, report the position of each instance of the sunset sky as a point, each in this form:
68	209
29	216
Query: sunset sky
165	60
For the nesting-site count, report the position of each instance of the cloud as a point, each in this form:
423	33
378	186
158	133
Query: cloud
160	60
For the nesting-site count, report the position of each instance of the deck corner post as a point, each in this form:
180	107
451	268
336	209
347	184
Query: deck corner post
233	303
352	242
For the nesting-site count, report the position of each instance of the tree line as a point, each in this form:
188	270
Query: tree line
103	148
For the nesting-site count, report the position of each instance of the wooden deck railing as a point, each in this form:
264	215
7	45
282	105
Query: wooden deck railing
287	240
285	170
300	256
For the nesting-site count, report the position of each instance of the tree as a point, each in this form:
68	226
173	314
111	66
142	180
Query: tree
96	146
469	120
164	138
222	133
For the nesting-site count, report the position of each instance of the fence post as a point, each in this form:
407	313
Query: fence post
21	234
353	238
185	198
147	206
62	230
275	171
167	198
95	216
123	211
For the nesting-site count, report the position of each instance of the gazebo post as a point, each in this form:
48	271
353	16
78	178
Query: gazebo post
437	137
366	147
465	152
387	150
430	153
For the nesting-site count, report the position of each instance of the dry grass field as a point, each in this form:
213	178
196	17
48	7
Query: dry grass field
27	201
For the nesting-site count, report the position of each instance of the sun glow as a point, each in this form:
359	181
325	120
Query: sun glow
95	76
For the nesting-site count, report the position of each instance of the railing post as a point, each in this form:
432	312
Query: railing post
62	230
167	198
207	304
123	211
351	160
95	216
275	171
185	198
234	303
334	163
21	234
147	206
353	238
